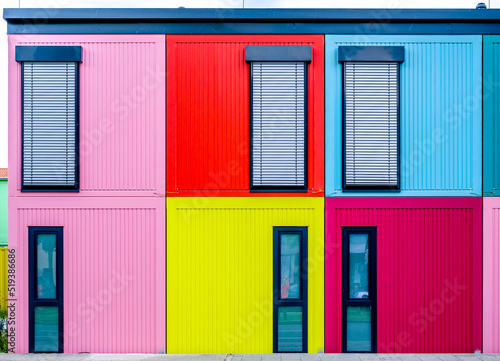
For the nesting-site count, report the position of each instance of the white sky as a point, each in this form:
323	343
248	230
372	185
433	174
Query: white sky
468	4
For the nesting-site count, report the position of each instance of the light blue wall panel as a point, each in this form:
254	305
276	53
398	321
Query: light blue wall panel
441	114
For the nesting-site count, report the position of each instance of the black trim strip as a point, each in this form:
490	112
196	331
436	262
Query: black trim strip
278	53
49	53
257	27
372	53
312	16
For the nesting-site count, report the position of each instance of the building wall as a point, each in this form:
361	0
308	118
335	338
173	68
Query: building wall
491	99
114	227
208	114
122	113
441	114
491	280
220	272
114	278
429	271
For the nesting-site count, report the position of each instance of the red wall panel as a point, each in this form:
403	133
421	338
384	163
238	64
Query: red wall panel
429	269
208	114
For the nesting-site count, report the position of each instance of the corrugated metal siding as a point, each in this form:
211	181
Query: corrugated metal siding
4	214
441	114
491	114
4	253
208	113
114	271
122	111
220	272
491	280
429	262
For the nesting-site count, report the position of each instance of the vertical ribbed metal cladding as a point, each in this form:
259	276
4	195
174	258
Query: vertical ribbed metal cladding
440	113
208	113
429	265
220	271
121	103
491	131
49	124
113	302
491	280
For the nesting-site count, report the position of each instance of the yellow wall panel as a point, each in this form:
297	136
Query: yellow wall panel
220	272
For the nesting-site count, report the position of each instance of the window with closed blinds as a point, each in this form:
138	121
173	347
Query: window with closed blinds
371	117
278	125
49	139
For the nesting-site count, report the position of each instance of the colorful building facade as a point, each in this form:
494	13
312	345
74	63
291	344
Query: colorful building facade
220	181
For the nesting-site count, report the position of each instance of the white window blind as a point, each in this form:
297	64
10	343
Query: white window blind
371	124
49	124
278	124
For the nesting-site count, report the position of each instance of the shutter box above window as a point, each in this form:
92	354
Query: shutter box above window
371	118
49	118
278	129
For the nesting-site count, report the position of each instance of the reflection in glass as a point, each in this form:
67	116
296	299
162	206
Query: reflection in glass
290	266
46	329
46	266
359	332
358	266
289	328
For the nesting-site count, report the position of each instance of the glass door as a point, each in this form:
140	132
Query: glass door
290	289
359	290
45	289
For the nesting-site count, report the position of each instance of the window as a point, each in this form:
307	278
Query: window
45	289
359	288
371	117
290	289
278	117
49	117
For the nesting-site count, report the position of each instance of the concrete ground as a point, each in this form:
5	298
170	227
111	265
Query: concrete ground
252	357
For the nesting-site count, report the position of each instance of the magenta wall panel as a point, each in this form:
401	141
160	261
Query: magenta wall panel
114	271
429	269
491	271
122	113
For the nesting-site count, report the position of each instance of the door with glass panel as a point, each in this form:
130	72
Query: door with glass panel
45	289
290	289
359	289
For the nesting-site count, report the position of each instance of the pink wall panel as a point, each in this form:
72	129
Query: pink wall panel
114	271
122	113
491	281
429	269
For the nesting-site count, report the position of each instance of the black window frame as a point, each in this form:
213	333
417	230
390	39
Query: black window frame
33	300
279	54
277	301
371	54
52	54
346	301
